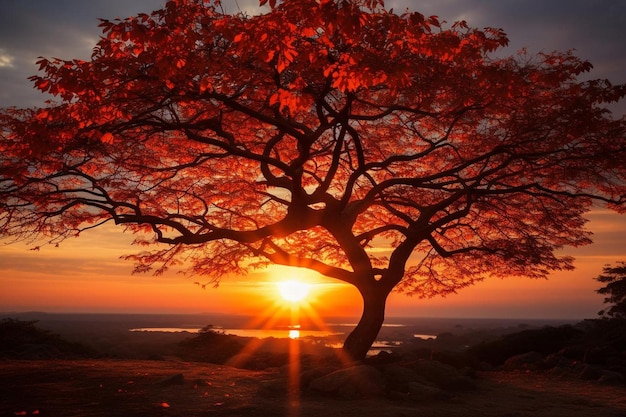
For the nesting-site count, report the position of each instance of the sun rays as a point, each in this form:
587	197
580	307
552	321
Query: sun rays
293	290
292	307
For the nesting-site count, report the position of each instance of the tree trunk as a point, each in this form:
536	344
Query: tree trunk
359	342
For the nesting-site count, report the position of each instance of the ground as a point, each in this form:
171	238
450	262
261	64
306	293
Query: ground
168	388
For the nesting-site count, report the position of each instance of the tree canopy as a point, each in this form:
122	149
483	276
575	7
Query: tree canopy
384	150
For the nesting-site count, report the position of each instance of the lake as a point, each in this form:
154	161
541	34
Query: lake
259	333
334	337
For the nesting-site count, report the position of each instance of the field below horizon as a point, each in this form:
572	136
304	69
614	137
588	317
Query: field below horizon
148	374
111	388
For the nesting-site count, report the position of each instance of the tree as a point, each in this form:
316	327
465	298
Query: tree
614	278
382	150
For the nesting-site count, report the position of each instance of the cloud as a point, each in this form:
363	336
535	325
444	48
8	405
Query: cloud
6	60
68	29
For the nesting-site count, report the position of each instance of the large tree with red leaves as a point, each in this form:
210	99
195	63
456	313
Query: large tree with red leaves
378	149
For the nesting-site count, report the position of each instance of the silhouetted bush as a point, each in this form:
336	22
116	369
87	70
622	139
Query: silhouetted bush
546	340
214	346
210	346
609	333
23	340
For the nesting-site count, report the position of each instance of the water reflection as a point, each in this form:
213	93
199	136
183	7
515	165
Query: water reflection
291	332
328	338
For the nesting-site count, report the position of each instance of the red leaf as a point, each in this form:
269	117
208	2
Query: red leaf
107	138
43	84
42	115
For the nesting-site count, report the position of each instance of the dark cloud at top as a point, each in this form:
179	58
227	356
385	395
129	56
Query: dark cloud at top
61	28
595	29
67	29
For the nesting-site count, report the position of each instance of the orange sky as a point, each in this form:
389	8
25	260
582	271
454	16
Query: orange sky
85	275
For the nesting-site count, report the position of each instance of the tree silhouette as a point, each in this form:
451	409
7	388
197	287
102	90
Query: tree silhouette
382	150
614	290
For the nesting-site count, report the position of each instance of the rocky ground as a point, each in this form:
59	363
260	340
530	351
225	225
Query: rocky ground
109	388
568	371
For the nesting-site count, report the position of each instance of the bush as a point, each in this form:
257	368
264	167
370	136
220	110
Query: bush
546	340
210	346
23	340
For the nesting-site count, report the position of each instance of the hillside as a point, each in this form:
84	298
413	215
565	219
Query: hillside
111	388
568	371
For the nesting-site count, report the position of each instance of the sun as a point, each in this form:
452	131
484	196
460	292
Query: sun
293	291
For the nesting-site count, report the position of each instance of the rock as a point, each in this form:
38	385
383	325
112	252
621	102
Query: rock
468	371
524	361
557	360
561	372
399	377
617	362
597	355
611	378
422	392
589	373
459	360
359	381
285	383
241	360
383	357
574	353
177	379
312	374
443	376
273	387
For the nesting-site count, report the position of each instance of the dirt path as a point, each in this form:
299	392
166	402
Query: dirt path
109	388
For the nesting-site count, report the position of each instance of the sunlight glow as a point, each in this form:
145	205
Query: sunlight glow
293	291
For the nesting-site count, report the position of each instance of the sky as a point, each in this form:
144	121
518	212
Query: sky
86	275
